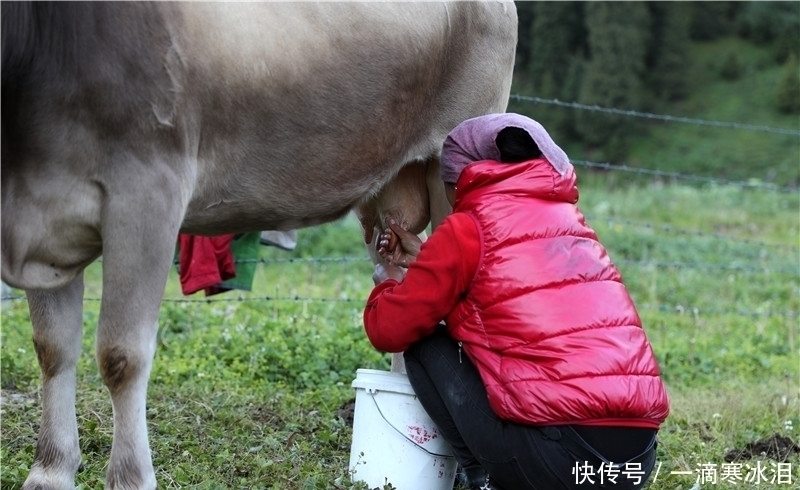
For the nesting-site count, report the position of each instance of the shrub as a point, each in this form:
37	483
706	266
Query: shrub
731	68
788	97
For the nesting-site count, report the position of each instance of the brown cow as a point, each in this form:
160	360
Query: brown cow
126	123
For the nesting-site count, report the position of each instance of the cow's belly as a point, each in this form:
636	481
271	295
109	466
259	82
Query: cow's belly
49	230
279	196
306	128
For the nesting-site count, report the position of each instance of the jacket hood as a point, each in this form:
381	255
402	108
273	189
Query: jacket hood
534	179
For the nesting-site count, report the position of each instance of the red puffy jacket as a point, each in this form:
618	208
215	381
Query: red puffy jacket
540	309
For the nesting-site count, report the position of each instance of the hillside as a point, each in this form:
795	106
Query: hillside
705	148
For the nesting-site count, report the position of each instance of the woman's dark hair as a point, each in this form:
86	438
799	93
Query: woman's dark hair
516	145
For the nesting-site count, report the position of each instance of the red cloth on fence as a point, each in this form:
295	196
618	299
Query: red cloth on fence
204	262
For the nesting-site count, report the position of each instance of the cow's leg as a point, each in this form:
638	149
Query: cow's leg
57	319
133	285
437	199
138	246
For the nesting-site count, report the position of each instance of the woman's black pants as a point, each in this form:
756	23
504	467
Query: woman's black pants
517	456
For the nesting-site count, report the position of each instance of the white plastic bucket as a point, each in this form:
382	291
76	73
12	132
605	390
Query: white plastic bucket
394	439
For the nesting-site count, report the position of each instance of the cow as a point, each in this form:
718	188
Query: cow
126	123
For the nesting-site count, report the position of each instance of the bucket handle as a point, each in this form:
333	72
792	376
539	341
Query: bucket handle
372	395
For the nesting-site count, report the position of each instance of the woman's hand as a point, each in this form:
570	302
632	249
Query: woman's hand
398	246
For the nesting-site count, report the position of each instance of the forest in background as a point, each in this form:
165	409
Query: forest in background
729	61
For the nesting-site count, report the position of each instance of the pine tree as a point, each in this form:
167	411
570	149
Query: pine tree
556	33
712	20
668	56
788	97
525	23
618	36
731	69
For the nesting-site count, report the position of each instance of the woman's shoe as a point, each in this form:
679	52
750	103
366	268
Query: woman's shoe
486	484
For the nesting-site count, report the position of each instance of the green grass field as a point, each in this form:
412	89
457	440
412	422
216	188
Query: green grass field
246	389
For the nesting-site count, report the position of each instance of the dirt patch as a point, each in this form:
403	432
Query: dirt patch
775	447
264	416
347	412
704	431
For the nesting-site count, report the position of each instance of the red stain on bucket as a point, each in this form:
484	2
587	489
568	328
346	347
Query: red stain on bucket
421	435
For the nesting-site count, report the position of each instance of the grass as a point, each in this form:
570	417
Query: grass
246	391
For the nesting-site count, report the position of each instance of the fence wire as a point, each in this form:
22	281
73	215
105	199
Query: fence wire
659	117
685	177
756	246
665	308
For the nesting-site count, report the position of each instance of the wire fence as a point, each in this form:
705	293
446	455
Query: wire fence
747	247
666	308
683	177
659	117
